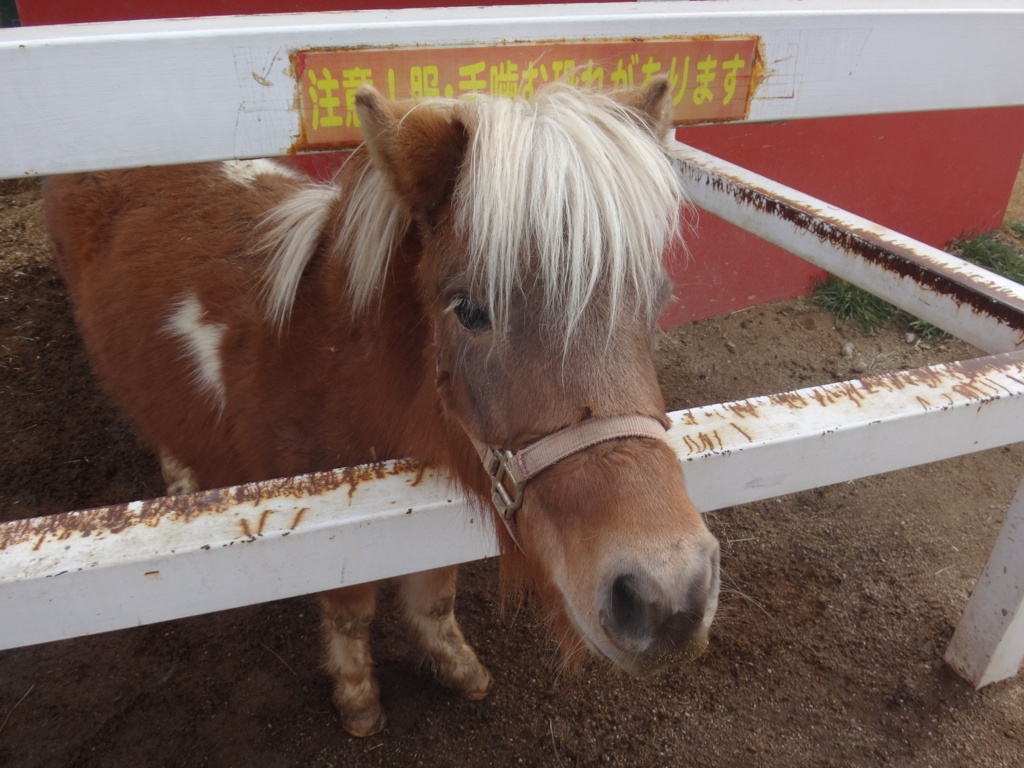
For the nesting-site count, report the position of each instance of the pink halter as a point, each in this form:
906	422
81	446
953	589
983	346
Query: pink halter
511	470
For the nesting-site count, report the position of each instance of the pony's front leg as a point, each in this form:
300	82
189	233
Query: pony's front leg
428	604
179	478
346	617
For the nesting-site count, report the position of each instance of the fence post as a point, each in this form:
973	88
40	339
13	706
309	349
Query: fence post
988	644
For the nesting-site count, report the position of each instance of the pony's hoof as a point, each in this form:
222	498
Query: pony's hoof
364	723
479	685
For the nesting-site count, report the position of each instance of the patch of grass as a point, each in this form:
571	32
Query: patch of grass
992	252
868	313
854	306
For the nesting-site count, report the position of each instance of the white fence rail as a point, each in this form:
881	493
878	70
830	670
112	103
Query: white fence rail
85	572
117	95
90	97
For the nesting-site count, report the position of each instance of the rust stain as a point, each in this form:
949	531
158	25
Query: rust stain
902	262
743	409
298	518
689	419
757	74
970	379
970	390
421	470
736	426
793	400
980	379
295	67
704	442
114	519
718	439
263	520
850	391
710	442
364	473
691	445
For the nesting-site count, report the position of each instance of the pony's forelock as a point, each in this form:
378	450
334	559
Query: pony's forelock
568	188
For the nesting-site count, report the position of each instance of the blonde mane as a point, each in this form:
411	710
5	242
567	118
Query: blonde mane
569	188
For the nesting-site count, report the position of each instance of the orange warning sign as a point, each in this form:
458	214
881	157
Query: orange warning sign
712	78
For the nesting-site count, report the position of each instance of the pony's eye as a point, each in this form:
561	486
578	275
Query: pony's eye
470	314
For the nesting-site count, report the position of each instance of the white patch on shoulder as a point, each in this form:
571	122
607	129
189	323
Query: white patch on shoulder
201	341
246	172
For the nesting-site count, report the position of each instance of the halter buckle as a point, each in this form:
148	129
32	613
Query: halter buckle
503	473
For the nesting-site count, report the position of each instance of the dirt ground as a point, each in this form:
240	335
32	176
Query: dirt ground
837	606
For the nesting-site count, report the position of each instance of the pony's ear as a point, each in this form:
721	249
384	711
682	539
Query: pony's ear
652	103
418	148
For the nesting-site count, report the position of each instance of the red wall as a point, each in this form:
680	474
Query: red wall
934	176
74	11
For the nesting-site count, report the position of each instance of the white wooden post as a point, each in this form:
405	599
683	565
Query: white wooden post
988	645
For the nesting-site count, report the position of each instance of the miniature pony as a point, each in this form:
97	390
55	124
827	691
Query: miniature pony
478	287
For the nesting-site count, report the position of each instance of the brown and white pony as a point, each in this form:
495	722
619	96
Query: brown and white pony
481	274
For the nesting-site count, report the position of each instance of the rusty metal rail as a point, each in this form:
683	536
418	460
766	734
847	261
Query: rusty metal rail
79	573
85	572
970	302
174	91
755	449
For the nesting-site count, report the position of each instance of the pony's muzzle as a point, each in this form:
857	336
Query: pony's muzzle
653	623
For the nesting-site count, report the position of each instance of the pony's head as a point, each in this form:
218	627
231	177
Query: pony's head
542	224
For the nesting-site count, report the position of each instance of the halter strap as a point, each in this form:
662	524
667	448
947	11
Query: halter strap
511	470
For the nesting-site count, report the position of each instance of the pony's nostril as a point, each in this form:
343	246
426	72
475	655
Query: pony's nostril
681	626
629	609
650	619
